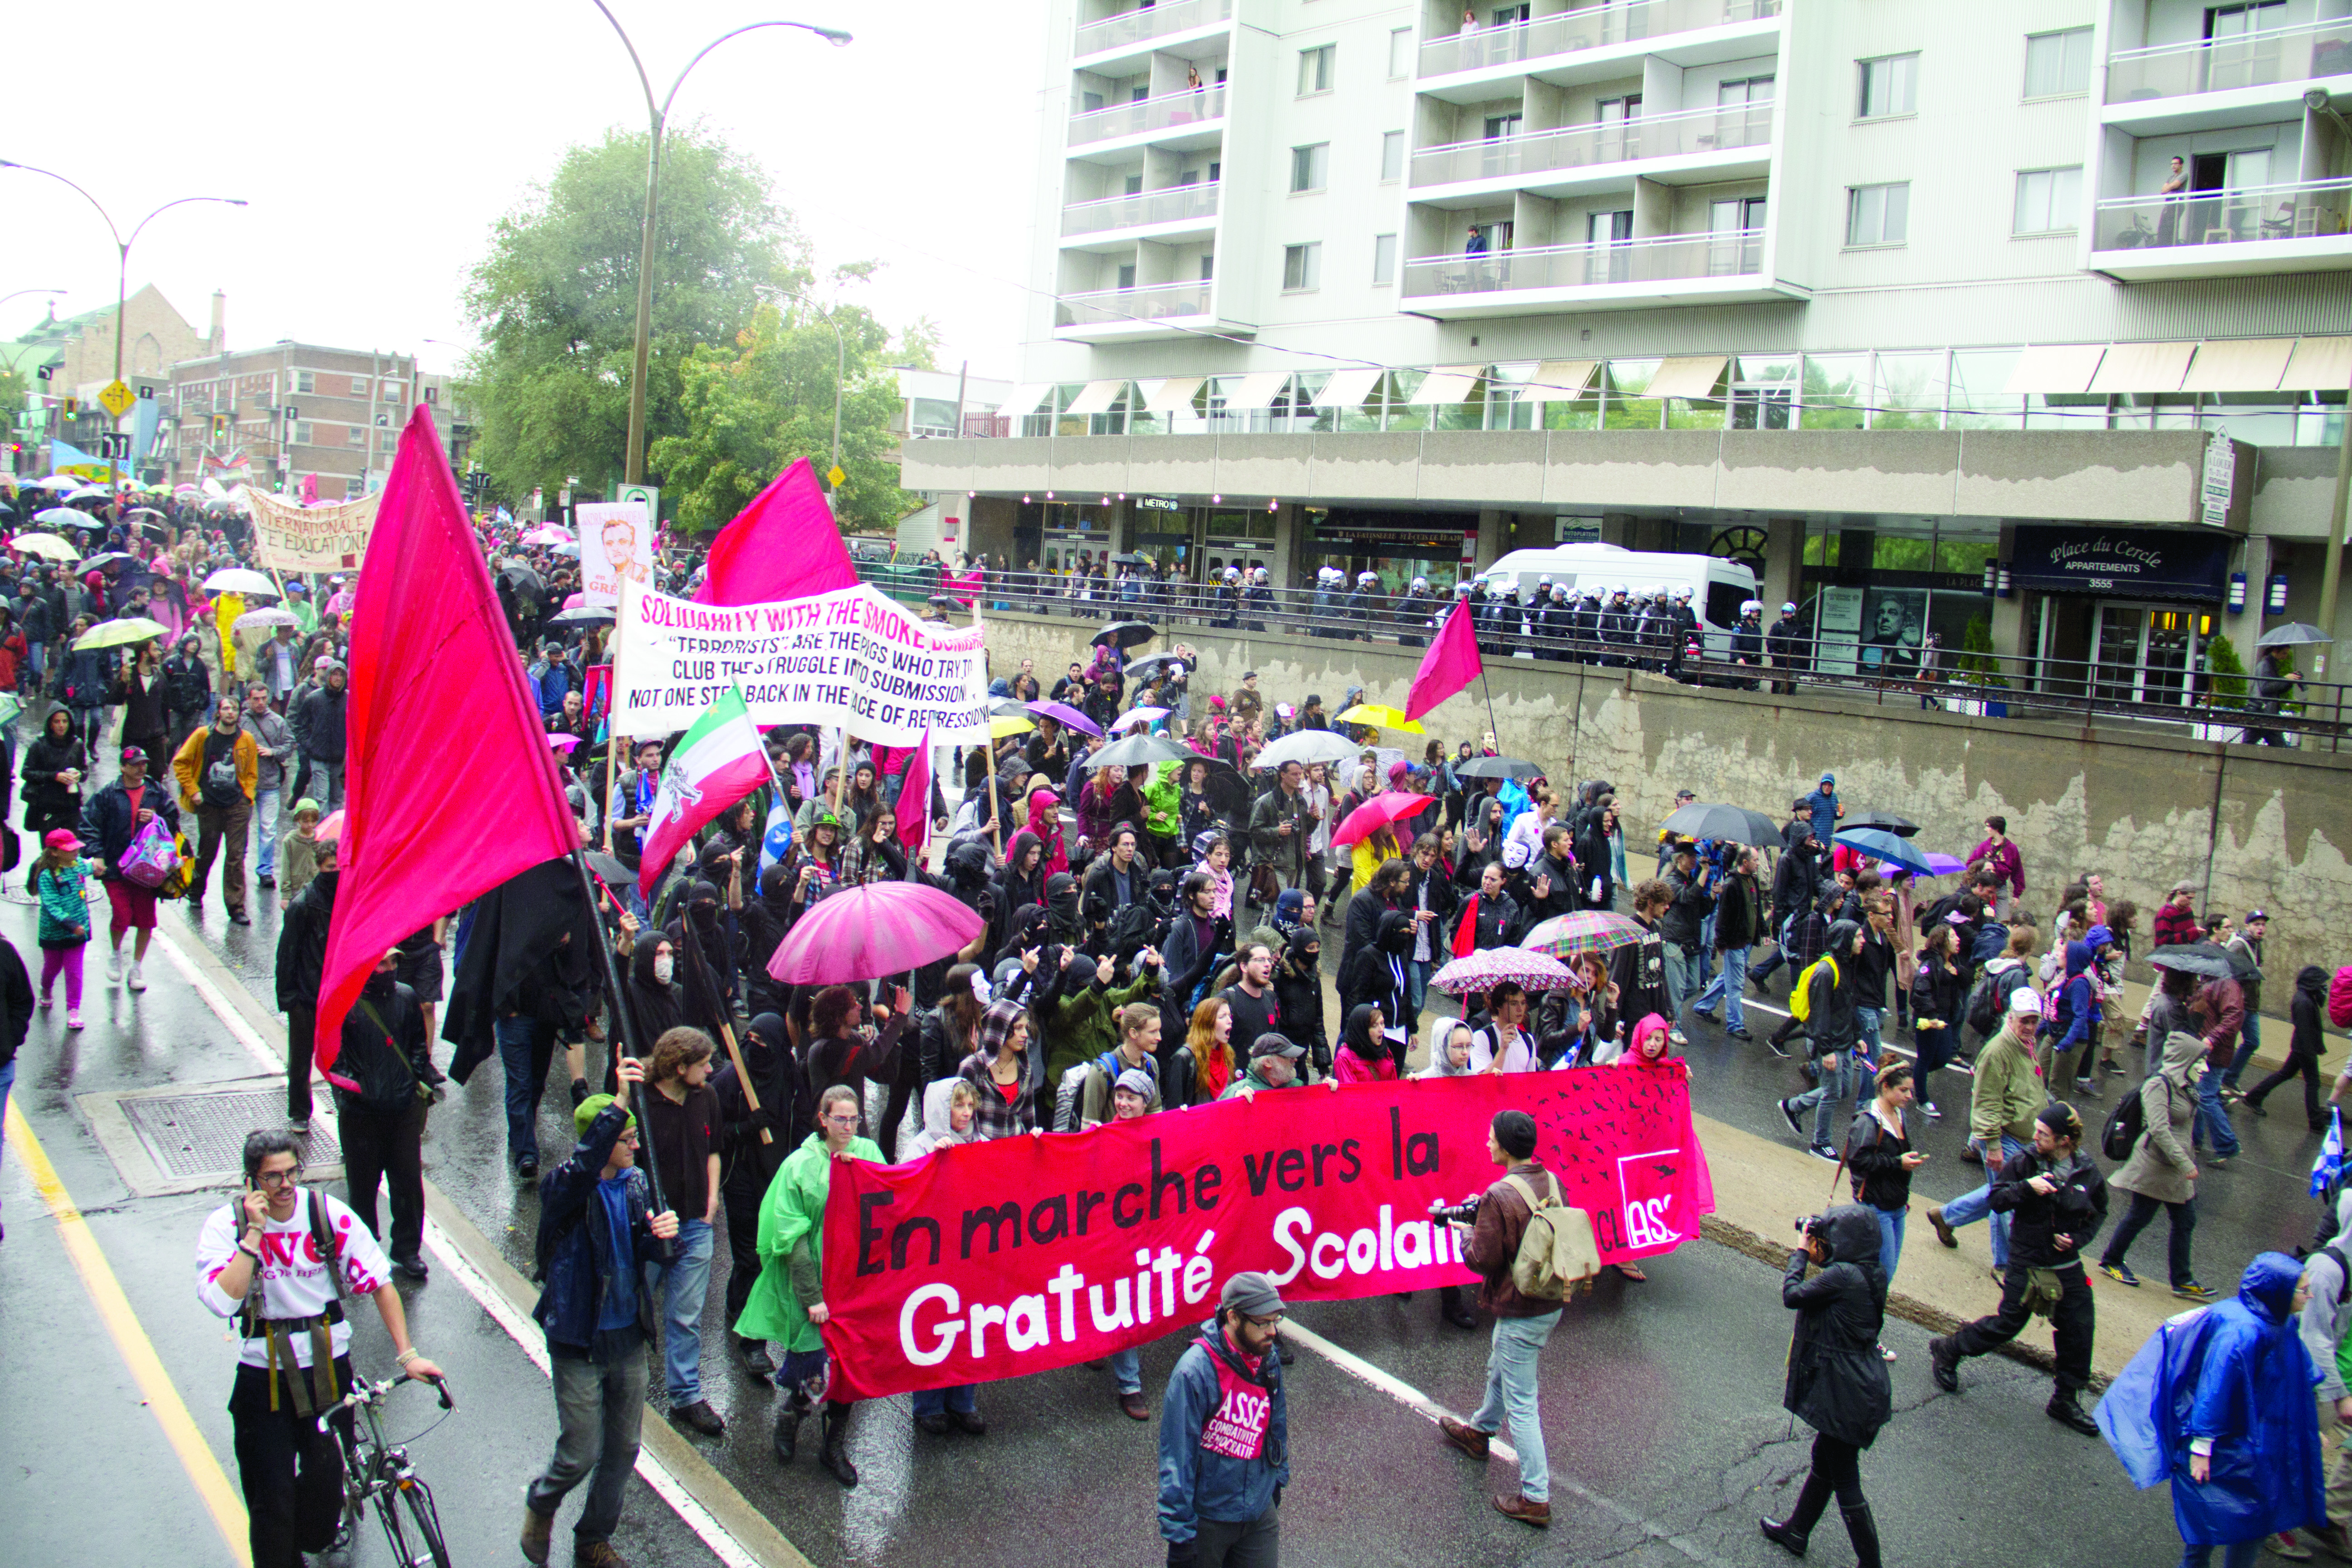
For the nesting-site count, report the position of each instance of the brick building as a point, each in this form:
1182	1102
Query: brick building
283	411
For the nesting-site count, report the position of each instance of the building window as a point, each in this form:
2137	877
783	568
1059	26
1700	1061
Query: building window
1399	53
1384	257
302	433
1889	85
1392	155
359	435
1877	215
306	381
2048	200
1310	167
1302	267
1314	69
2058	65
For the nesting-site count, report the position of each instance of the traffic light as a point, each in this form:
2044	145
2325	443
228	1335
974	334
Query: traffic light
72	407
220	426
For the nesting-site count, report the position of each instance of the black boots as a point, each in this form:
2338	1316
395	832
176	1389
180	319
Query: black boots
1791	1533
1450	1308
788	1415
1863	1531
2065	1409
836	1434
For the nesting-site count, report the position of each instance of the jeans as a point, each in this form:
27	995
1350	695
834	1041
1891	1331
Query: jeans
1127	1366
265	828
526	1047
1971	1208
961	1399
1865	1028
2143	1209
2237	1554
1890	1239
326	782
1779	952
1836	1087
1728	983
2250	1040
598	1410
891	784
1416	983
1511	1390
2213	1119
687	1276
1682	981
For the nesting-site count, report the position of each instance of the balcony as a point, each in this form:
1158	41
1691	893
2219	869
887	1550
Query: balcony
2225	65
1593	28
1664	269
1574	148
1176	205
1115	315
1169	110
1130	28
2263	228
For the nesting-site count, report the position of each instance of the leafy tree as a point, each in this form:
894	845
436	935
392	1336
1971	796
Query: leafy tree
555	301
1975	663
2228	670
919	345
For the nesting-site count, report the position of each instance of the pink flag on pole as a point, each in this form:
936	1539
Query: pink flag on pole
1451	664
785	545
915	800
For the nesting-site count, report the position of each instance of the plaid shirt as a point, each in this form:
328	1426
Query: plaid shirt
996	1116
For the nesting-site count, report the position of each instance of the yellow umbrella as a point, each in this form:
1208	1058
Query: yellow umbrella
1007	725
1377	715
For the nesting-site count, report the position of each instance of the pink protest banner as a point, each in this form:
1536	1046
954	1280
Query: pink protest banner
994	1260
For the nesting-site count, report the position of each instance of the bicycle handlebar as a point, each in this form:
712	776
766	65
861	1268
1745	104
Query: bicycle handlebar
366	1392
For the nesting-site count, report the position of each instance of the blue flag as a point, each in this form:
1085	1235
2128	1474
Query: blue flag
777	843
2328	1169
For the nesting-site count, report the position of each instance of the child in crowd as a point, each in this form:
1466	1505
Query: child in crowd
60	882
298	852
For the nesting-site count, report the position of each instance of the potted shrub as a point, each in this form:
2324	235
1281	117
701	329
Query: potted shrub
1977	667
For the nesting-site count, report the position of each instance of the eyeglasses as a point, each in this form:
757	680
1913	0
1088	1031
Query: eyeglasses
1272	1322
286	1178
841	1120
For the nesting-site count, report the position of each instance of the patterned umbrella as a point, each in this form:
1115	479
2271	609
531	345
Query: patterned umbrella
1485	970
1586	930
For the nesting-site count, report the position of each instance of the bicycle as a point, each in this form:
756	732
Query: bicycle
379	1472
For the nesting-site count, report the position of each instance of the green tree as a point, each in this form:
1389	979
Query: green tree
750	411
2228	670
919	345
555	301
1977	663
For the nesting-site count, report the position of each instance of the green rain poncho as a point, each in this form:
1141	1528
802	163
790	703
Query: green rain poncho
791	1217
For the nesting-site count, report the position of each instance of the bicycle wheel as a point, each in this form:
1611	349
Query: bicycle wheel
411	1525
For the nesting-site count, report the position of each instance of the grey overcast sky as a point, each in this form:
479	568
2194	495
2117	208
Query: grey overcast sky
377	144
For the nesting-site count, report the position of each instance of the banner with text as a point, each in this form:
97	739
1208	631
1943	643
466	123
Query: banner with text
615	542
311	538
851	657
994	1260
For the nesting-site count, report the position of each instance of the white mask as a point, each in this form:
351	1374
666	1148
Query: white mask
663	966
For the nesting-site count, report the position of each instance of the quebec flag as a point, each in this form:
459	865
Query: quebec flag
2328	1169
777	842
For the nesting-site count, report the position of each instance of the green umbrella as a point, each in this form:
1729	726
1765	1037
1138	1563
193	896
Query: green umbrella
123	633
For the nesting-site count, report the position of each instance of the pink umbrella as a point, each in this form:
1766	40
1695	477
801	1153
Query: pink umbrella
870	930
562	743
1379	812
548	534
1483	971
575	601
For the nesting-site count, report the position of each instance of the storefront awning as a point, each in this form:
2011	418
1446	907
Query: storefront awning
2320	364
1448	383
1695	376
2143	368
2247	364
1025	399
1096	398
2122	562
1347	388
1561	380
2055	367
1173	396
1253	391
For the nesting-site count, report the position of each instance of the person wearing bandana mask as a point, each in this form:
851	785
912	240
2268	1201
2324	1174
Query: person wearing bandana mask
656	1003
381	1078
1379	974
718	936
1066	911
749	1164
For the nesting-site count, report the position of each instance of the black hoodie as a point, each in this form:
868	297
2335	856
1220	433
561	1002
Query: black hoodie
1837	1381
1298	986
750	1164
1378	975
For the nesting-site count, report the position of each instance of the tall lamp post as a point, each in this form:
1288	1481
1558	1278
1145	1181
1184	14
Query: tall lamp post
121	277
840	370
658	119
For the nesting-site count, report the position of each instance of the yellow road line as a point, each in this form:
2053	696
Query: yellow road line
106	1294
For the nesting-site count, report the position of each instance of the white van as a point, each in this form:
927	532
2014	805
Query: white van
1718	587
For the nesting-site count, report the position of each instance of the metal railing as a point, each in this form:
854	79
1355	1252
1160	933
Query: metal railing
1149	22
2196	703
1591	28
1660	259
1190	106
1111	306
2218	65
1588	146
2313	209
1171	205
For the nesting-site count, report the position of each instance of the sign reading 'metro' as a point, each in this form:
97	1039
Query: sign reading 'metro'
2130	563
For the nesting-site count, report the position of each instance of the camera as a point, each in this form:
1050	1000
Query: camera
1459	1213
1813	1225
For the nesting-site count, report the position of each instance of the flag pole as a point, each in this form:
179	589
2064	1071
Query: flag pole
620	1016
988	740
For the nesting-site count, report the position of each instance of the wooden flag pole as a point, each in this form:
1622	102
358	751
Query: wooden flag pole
997	807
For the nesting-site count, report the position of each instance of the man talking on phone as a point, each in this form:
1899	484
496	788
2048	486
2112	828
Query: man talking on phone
279	1261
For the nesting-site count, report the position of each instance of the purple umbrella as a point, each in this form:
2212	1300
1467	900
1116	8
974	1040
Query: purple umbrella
870	930
1938	866
1063	713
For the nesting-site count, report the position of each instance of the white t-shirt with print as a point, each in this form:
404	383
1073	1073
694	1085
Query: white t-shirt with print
293	1277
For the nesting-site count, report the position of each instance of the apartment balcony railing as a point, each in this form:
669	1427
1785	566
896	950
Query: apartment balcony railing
1189	107
2313	210
1150	22
1588	146
1593	28
1172	205
1112	306
2218	65
1662	258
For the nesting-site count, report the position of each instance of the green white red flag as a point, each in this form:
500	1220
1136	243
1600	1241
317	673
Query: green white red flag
718	763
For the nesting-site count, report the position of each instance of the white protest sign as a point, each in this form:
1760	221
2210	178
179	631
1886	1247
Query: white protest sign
615	542
852	658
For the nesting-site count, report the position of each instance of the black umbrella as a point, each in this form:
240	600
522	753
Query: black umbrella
1138	750
1497	768
609	869
99	561
1145	668
583	615
1125	634
523	579
1885	821
1129	559
2209	959
1732	824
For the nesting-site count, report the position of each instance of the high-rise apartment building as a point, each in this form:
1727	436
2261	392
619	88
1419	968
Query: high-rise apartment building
1887	296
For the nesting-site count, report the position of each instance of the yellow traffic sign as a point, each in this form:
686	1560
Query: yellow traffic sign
116	398
836	478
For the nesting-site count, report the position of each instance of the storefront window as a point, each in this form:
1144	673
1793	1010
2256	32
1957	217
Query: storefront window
1978	402
1909	391
2071	411
1836	387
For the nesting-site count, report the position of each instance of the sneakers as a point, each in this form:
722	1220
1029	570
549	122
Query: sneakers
1886	1354
2286	1545
2232	1094
1789	1114
73	1018
2192	1291
114	963
2120	1273
1772	1043
134	978
1823	1153
1738	1033
1931	1111
45	1001
266	880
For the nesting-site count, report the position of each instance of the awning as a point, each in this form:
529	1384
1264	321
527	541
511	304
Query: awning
1695	376
1025	399
1347	388
2055	367
1448	383
1096	398
2143	368
2247	364
2320	364
1255	390
1173	396
1559	381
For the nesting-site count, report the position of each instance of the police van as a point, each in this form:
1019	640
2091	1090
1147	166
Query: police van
1717	586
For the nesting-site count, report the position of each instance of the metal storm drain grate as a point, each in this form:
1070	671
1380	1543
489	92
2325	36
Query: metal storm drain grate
203	1134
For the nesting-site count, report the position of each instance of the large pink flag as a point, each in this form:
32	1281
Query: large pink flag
785	545
914	814
452	788
1451	663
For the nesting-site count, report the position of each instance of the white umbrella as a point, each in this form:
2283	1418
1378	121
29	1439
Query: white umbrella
45	544
271	617
63	517
91	492
241	580
1306	747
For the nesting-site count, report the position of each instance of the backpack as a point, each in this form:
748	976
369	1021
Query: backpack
1800	999
1990	1000
1556	1251
2125	1125
323	1239
2340	998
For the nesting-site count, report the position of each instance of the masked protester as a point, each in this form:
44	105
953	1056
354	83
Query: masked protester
749	1163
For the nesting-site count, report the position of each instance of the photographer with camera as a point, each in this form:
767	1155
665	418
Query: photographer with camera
1837	1383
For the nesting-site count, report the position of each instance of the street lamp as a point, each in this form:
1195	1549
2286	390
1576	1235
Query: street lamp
840	370
121	276
5	298
658	118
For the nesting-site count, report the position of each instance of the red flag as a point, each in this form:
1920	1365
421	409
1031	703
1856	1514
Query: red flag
785	546
452	788
915	800
1451	664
